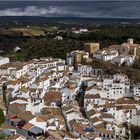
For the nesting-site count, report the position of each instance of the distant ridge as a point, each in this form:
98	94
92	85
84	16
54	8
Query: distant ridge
67	20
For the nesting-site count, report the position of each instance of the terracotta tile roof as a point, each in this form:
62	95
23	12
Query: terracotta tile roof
126	107
21	80
67	108
52	111
13	82
92	112
24	89
92	96
99	125
25	115
107	115
126	101
68	134
42	78
49	138
24	79
27	126
54	135
93	87
38	119
80	128
6	126
14	109
110	105
18	65
62	122
32	90
43	118
13	137
96	119
92	135
16	106
53	96
29	62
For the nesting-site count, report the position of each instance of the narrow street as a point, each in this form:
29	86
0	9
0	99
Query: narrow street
80	99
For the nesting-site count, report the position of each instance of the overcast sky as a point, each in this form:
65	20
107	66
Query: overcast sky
65	8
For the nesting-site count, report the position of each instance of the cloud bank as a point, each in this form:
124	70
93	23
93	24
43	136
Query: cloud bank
69	9
29	11
40	11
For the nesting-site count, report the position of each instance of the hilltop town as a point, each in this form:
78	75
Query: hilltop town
53	98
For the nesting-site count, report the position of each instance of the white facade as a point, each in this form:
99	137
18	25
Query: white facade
88	70
136	90
4	60
82	69
127	59
40	124
105	55
35	106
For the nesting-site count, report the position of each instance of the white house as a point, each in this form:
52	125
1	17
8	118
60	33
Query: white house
84	69
136	90
88	70
105	55
127	59
4	60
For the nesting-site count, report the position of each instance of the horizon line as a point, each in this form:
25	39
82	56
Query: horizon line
71	0
125	18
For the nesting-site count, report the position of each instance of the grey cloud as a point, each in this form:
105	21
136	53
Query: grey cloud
72	9
40	11
28	11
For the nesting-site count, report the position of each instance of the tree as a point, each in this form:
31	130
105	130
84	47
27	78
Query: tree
2	117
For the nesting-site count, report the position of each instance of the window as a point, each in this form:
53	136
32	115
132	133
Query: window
29	133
